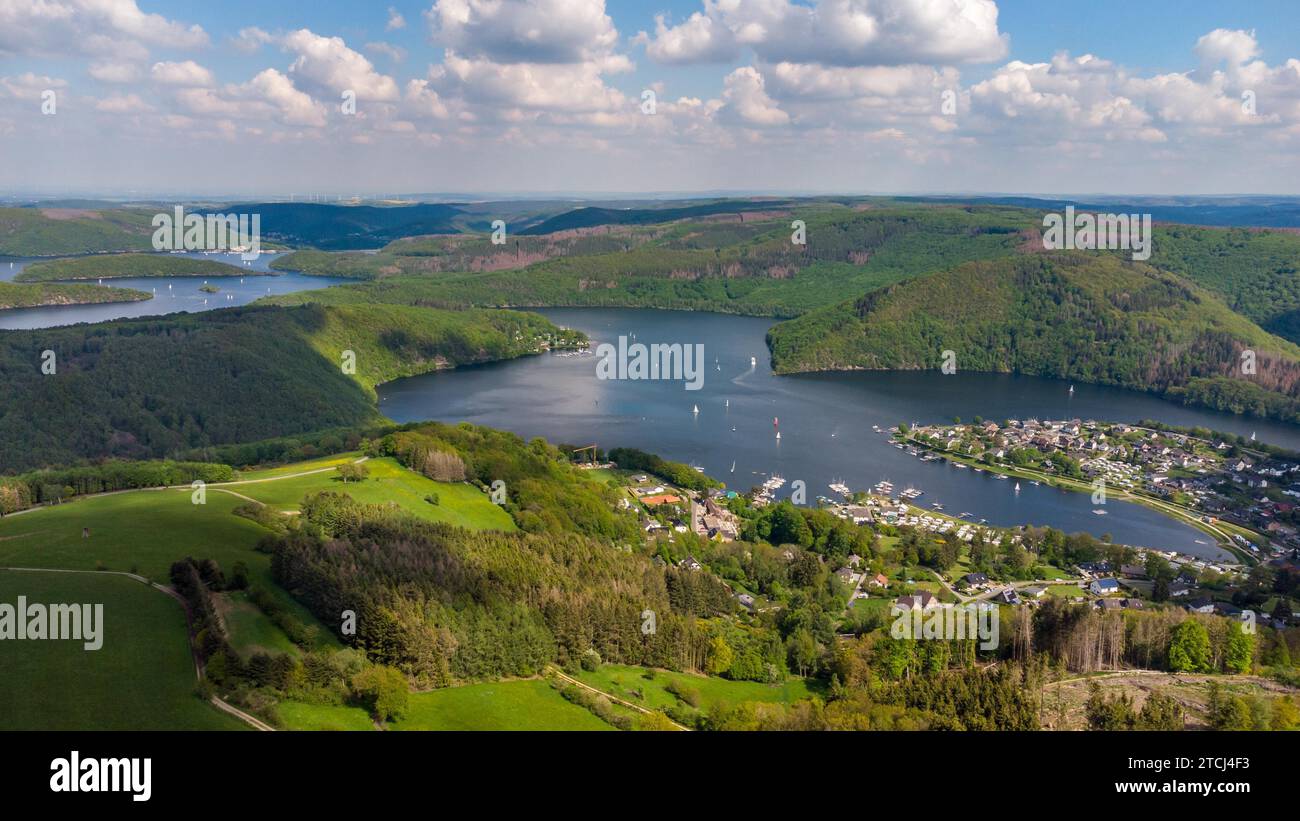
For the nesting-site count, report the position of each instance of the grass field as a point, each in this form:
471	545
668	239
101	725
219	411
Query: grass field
250	630
459	504
506	705
648	688
141	678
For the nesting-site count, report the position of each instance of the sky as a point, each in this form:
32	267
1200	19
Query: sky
133	98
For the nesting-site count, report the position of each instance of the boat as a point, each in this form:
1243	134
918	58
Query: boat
753	361
726	403
733	466
1099	512
778	436
960	465
695	409
1072	390
697	468
1017	487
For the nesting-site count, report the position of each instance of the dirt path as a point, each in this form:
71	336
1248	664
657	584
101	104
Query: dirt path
189	631
560	674
217	485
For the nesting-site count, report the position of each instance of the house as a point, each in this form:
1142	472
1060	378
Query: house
1133	571
746	601
847	575
1108	604
1200	606
1104	587
1035	592
922	600
1007	595
1224	608
880	580
854	560
1178	589
1094	568
690	563
974	580
1133	604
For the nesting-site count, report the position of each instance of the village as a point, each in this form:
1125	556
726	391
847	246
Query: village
1233	491
1148	578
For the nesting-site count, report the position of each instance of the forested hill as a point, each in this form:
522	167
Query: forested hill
152	387
32	232
1088	317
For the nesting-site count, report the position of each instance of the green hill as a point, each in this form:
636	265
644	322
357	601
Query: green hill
1093	318
726	266
129	265
34	232
151	387
15	295
1256	272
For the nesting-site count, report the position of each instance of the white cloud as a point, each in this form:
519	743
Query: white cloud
835	32
187	73
519	31
109	71
395	20
744	93
250	39
103	27
327	63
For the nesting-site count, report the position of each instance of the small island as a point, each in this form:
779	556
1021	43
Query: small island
117	266
16	295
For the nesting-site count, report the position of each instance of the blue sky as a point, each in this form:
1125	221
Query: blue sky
549	95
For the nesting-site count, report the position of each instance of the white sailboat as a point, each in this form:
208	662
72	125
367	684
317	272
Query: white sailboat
778	436
1072	390
753	361
726	403
1017	487
695	409
733	466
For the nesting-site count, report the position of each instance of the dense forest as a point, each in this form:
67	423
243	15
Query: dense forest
1070	316
20	295
107	266
157	387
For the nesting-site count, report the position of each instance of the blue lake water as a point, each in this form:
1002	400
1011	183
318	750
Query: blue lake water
171	294
825	420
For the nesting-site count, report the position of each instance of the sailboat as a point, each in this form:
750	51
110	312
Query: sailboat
778	436
753	361
695	409
1017	487
1072	390
733	466
1252	436
726	403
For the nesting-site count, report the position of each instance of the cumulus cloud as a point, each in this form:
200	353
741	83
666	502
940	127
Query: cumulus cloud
111	71
250	39
328	64
744	93
187	73
101	27
395	20
525	31
834	32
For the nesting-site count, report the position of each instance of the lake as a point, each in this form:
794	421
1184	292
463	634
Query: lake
825	420
171	294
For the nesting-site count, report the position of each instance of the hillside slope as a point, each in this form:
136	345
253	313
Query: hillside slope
32	232
150	387
1092	318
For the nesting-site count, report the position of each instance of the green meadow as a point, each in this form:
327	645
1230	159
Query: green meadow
530	704
648	688
142	678
458	503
